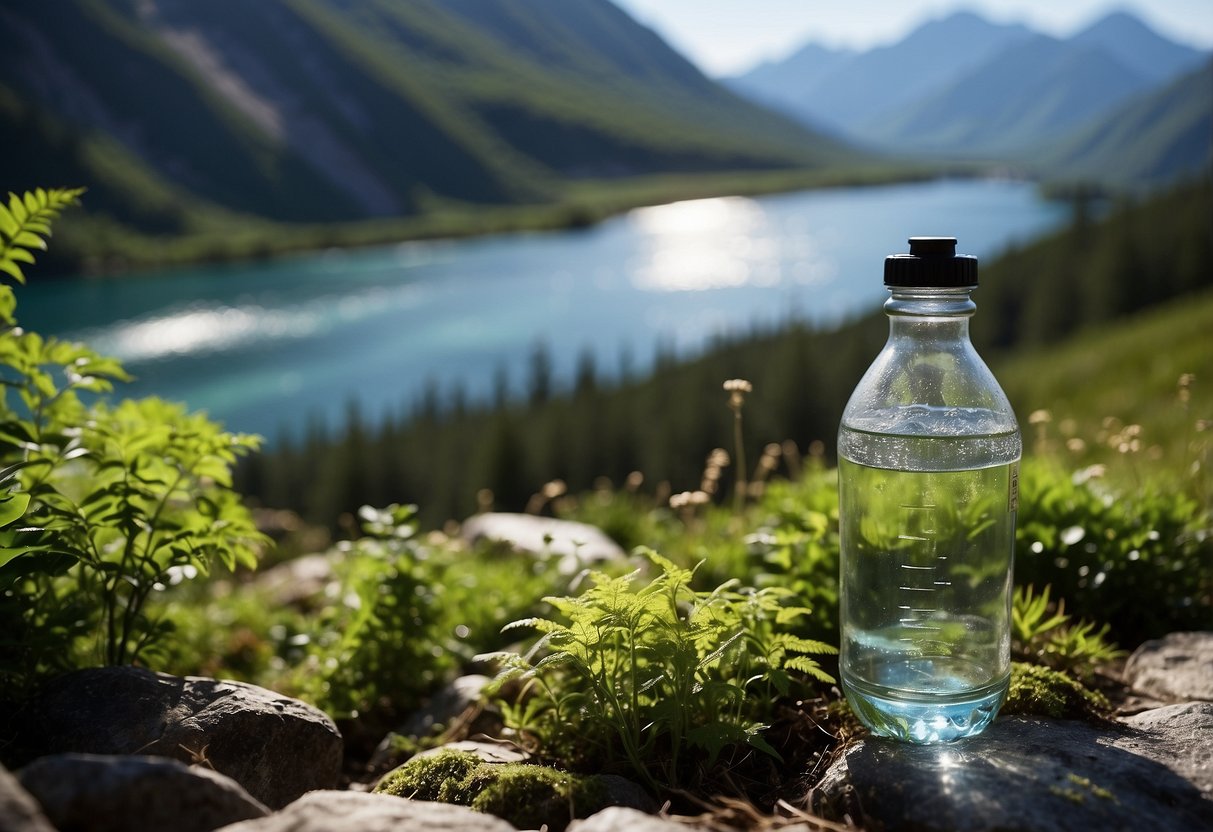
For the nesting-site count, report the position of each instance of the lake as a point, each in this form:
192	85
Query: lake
265	347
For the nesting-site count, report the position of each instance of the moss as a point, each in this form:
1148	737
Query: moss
1040	691
427	778
528	796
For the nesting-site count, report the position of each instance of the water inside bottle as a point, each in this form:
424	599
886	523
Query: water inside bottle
928	519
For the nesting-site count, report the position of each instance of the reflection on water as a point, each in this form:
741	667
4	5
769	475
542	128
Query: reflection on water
199	329
722	242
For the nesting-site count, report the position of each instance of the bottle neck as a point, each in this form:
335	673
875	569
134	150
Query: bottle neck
931	312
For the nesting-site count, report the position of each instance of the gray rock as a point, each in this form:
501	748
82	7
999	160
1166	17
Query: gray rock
1178	736
489	752
457	700
622	792
576	544
620	819
131	794
19	812
276	747
298	582
445	706
333	811
1177	667
1028	774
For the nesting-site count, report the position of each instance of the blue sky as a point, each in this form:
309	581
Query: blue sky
726	36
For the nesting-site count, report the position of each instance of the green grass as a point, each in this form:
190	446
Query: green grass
1119	374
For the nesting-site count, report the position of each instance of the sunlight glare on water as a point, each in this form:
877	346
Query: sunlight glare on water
703	244
200	329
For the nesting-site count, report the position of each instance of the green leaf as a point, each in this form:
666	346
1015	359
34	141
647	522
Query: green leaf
13	507
10	268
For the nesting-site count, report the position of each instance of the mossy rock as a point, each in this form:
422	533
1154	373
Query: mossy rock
526	795
1040	691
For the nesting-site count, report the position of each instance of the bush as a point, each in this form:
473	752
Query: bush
105	503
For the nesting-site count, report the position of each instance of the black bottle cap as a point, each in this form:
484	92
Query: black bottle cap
931	263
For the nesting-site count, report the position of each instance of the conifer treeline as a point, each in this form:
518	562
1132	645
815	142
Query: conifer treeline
665	425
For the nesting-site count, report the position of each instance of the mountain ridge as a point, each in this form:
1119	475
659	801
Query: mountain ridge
321	111
1018	91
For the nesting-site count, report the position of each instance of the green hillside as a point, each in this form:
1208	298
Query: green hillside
189	118
1157	137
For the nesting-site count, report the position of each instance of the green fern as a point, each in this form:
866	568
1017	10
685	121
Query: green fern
25	223
647	672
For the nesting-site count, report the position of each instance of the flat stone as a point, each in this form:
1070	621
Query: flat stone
454	701
1176	668
1178	736
298	582
1022	774
489	752
131	794
334	811
19	811
274	746
447	705
576	544
621	819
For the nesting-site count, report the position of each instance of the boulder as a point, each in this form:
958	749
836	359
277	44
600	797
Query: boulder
620	819
19	811
333	811
276	747
576	544
1175	668
488	752
445	706
1178	736
457	702
131	794
1022	773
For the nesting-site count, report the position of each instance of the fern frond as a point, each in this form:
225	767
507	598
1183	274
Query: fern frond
806	665
25	223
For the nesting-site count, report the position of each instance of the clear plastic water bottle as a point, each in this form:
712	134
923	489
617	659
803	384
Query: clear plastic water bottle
928	469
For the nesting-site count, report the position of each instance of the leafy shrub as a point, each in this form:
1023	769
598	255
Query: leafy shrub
1139	558
408	612
114	501
651	672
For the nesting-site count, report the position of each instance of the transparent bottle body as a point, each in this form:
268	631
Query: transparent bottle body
928	485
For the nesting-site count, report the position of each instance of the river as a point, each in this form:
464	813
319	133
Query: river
265	347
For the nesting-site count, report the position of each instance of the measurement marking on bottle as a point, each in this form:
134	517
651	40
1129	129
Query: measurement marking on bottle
919	568
943	583
919	588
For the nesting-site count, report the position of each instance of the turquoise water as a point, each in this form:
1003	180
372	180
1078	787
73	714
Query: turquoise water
266	347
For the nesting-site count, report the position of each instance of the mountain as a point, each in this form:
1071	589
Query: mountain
856	89
1139	47
183	115
783	83
1032	90
965	87
1160	136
